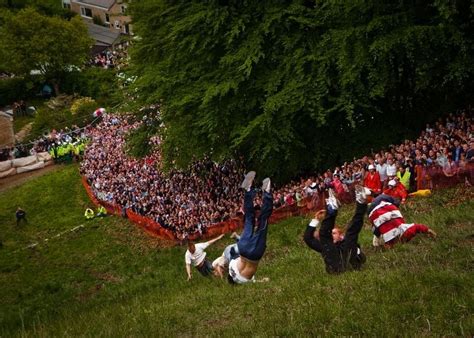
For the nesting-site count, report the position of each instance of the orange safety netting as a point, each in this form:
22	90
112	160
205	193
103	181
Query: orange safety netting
433	178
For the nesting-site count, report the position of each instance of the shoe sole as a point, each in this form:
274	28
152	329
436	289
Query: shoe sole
360	192
247	182
266	184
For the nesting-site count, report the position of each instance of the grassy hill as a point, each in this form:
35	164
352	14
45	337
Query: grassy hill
109	278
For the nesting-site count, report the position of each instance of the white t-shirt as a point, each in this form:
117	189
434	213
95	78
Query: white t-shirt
382	170
198	256
219	261
235	273
391	169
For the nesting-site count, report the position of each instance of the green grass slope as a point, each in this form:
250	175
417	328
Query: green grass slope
110	279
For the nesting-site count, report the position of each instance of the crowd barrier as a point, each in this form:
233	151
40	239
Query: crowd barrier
434	179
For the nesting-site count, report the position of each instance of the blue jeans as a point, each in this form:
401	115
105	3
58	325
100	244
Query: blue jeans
206	268
252	244
231	252
381	198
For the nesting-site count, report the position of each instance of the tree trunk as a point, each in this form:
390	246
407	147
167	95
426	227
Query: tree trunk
56	87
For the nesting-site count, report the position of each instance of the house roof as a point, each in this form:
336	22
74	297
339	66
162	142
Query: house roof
99	3
102	35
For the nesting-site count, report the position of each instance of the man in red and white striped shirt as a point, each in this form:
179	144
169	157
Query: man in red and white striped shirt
388	224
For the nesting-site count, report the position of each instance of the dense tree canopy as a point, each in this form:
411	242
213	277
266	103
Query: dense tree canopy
293	85
49	44
48	7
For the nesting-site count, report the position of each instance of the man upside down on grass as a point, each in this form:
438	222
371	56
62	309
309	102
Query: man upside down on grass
339	252
253	240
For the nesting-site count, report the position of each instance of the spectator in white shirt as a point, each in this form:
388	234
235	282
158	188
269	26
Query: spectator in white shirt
391	169
381	167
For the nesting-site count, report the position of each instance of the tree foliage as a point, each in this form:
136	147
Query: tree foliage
49	44
293	85
46	7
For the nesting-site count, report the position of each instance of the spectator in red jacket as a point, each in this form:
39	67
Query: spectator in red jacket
372	181
338	186
396	190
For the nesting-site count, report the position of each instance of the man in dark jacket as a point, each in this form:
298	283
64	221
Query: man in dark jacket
338	254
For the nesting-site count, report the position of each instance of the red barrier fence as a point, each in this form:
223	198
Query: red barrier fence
233	224
432	179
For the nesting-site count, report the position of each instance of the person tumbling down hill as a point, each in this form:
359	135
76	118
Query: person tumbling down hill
339	252
253	240
196	256
389	226
221	263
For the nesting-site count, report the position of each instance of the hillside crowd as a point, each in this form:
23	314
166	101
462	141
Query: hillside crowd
188	202
184	202
56	143
442	149
108	59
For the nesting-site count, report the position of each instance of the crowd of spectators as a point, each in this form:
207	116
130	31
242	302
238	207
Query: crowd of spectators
109	59
189	201
49	142
446	148
185	202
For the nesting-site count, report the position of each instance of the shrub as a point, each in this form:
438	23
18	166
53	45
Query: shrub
57	116
47	119
15	89
83	105
97	83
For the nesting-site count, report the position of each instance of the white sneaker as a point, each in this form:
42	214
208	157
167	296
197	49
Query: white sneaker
266	185
361	194
332	201
248	180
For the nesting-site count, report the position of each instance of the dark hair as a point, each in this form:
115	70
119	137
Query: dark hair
230	279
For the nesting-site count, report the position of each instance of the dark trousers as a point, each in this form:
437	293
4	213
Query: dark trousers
205	268
19	218
338	257
381	198
252	243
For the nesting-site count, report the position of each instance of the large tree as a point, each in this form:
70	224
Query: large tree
48	7
292	85
49	44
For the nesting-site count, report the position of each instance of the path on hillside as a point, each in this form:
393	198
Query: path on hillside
24	132
16	180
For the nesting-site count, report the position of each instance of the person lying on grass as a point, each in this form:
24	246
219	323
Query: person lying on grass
340	252
389	226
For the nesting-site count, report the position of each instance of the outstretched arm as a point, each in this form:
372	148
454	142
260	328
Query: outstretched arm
212	241
309	234
188	271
